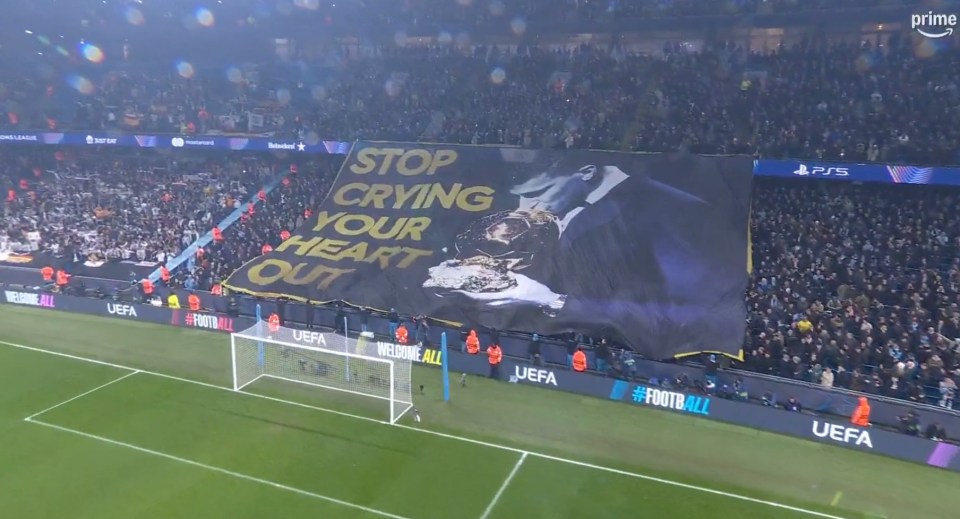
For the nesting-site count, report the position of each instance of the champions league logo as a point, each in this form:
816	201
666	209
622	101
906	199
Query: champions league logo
501	255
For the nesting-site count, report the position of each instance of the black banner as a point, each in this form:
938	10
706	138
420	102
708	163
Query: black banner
92	266
649	249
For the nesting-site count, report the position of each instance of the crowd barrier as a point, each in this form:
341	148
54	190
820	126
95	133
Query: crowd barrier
835	401
806	426
885	173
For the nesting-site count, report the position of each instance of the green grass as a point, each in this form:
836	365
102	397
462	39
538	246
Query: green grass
116	467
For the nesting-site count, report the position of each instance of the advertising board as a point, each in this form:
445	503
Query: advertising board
800	425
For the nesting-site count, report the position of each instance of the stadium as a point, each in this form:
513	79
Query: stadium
480	259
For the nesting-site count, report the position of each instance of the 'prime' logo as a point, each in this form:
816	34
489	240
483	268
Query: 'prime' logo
933	25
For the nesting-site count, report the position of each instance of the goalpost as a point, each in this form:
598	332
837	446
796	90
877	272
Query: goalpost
323	360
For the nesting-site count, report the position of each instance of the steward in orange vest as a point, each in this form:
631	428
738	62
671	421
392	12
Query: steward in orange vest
402	335
579	360
193	302
861	415
274	322
494	357
47	273
63	279
266	249
217	234
473	343
164	274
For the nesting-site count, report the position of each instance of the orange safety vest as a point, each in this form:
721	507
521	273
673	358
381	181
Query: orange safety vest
266	248
861	415
165	274
216	290
284	235
579	361
274	322
473	343
250	209
217	234
193	302
62	277
402	335
47	273
262	195
494	354
147	286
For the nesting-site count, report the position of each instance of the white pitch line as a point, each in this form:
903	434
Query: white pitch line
81	395
602	468
212	468
503	487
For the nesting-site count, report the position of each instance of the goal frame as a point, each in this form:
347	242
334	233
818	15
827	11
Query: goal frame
346	355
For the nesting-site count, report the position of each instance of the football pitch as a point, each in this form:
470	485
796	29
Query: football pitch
107	418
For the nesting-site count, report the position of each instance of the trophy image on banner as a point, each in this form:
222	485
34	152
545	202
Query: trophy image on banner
505	258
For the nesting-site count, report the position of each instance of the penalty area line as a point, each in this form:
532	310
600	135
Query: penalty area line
81	395
730	495
212	468
503	487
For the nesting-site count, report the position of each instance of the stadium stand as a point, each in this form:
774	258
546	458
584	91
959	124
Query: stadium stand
283	210
846	101
121	206
860	282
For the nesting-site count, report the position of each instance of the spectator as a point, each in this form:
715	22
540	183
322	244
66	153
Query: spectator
910	423
533	350
629	364
936	432
603	356
826	378
793	405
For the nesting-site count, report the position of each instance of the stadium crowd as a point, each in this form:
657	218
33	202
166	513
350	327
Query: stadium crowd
855	286
478	12
813	100
140	207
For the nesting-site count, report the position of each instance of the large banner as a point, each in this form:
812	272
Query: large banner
649	249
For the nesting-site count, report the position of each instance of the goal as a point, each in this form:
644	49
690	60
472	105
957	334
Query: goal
326	361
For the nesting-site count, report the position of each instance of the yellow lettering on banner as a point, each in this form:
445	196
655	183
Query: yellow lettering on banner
340	197
324	218
302	246
270	271
328	249
418	196
412	255
338	250
405	162
358	224
433	357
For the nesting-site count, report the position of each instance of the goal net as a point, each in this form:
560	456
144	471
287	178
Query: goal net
326	361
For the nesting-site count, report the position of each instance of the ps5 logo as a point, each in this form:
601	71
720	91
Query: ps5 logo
821	171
